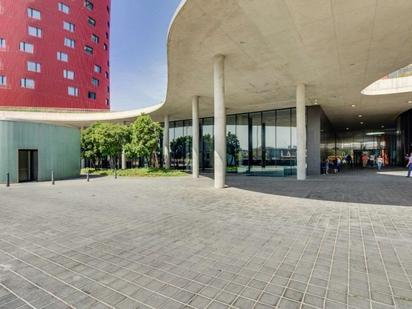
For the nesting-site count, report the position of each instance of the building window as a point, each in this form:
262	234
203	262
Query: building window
107	102
3	80
105	46
91	21
68	26
35	31
97	68
108	89
63	8
62	57
88	50
33	66
27	83
95	38
107	75
69	42
89	5
27	47
32	13
92	95
2	43
73	91
107	35
95	82
67	74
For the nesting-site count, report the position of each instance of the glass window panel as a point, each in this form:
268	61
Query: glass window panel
242	133
232	144
269	122
256	121
206	145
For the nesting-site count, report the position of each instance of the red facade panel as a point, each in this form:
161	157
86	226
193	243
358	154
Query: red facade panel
51	88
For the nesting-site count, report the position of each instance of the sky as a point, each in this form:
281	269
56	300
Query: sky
138	55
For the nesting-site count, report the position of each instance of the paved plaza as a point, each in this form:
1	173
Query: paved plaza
179	243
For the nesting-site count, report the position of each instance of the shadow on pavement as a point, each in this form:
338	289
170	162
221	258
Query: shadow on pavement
351	186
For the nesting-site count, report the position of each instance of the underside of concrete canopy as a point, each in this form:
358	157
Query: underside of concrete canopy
337	48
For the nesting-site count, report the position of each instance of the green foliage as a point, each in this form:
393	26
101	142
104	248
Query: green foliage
179	147
136	172
103	140
144	139
233	147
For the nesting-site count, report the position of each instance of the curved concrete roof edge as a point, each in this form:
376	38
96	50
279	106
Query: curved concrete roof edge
76	119
389	86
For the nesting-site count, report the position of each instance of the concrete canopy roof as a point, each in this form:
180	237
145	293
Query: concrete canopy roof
77	120
335	47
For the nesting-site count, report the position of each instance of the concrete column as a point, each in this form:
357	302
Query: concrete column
166	151
123	160
313	127
301	131
220	121
195	137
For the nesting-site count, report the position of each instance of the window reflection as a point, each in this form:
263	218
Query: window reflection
257	143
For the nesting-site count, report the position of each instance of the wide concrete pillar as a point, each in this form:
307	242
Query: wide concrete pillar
166	151
195	137
301	131
313	139
220	121
123	160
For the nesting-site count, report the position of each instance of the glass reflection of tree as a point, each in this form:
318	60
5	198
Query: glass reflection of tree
233	148
207	141
178	148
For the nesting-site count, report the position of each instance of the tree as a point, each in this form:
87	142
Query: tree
233	146
104	140
144	140
179	147
90	145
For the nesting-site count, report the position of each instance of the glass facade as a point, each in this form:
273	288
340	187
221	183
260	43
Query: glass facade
352	147
261	143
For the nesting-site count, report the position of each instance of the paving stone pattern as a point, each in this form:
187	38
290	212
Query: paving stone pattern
178	243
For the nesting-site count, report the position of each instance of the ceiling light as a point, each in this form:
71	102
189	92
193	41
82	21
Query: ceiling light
375	133
347	129
361	122
409	102
353	105
360	116
382	126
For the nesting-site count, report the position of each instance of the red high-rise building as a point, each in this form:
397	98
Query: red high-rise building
54	54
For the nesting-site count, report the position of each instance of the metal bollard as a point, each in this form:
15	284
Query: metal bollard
88	177
8	180
52	177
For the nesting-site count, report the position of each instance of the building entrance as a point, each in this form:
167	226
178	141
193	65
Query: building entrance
28	165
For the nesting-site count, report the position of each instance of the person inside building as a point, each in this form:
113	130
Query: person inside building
409	165
365	160
379	163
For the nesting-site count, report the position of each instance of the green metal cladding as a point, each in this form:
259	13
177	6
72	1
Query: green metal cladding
58	149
